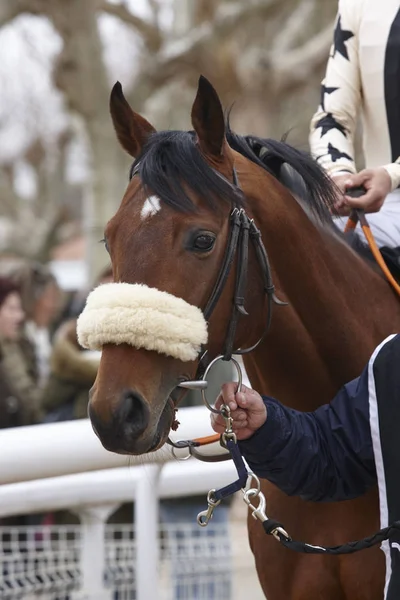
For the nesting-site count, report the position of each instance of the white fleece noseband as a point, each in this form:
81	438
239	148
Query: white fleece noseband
144	317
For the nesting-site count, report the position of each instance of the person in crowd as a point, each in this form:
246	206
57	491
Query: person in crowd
41	301
362	80
19	393
72	374
65	396
73	371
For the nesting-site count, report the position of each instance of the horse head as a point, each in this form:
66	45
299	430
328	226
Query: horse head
167	242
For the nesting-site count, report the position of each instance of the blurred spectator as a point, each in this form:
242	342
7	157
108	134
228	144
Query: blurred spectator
19	394
76	302
41	301
72	372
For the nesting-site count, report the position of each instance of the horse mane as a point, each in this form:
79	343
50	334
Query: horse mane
294	168
171	163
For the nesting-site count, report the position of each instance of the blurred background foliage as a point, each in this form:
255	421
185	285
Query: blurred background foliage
62	173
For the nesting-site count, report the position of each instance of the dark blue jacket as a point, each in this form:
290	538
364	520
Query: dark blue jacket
323	455
338	451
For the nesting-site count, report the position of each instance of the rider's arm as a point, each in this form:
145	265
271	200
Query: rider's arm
333	126
324	455
394	171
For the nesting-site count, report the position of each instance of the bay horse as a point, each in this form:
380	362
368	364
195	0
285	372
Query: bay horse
170	233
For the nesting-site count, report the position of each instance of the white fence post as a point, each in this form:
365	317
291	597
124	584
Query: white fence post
146	527
93	558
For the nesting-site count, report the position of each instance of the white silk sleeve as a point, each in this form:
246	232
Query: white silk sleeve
394	171
333	126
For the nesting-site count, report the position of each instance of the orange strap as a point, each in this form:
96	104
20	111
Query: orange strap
359	215
208	439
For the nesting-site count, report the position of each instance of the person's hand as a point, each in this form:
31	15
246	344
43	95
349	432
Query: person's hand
377	183
247	410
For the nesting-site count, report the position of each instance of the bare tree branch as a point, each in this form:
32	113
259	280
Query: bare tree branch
155	10
9	200
295	67
227	20
288	36
51	236
150	32
10	9
187	50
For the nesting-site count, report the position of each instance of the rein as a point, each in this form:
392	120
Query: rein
358	215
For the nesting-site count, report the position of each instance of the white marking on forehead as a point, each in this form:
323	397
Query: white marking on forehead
151	207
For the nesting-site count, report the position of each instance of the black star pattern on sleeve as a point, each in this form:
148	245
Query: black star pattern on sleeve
329	122
326	90
335	154
341	36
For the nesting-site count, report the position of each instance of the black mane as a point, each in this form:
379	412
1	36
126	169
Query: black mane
171	161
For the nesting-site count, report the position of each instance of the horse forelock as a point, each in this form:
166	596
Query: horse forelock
171	164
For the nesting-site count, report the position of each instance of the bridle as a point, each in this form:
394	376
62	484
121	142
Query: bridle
242	232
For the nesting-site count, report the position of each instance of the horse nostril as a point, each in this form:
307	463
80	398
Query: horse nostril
133	413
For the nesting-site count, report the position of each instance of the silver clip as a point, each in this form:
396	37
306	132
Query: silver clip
250	477
228	434
204	517
257	512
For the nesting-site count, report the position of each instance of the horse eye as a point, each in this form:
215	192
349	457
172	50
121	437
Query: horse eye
204	242
104	241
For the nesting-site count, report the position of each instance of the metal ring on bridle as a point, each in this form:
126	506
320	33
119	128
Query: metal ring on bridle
180	458
204	378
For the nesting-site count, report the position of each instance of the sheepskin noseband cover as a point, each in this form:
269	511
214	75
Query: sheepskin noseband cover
144	317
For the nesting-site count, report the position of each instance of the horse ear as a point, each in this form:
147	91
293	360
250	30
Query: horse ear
208	119
132	130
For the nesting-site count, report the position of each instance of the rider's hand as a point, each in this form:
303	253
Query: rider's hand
377	183
247	410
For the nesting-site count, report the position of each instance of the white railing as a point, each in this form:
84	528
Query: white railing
57	466
71	447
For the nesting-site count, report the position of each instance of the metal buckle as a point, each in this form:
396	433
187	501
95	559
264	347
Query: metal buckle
204	517
257	512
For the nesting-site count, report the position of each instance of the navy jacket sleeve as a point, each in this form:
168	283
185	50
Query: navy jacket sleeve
321	456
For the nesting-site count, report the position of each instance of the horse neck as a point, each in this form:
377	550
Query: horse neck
339	308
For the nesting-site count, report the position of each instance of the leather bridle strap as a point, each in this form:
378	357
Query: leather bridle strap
269	288
226	264
242	231
192	446
240	284
249	232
